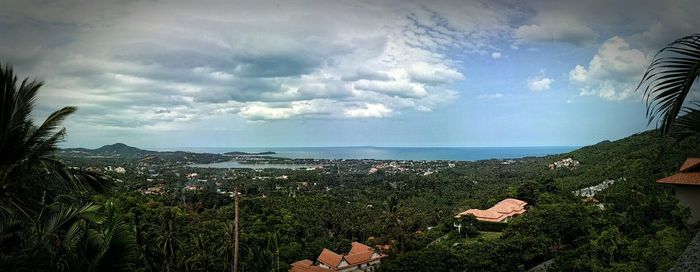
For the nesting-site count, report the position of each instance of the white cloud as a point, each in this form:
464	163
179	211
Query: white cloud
256	60
262	111
613	71
539	83
496	55
490	96
433	73
578	74
369	110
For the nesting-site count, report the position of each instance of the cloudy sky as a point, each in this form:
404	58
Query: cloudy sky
341	73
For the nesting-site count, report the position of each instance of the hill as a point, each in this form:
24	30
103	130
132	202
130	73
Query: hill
121	148
117	149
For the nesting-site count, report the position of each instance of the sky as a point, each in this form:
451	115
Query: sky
232	73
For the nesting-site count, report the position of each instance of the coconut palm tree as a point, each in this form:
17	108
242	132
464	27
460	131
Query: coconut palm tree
169	243
41	226
28	169
71	236
666	84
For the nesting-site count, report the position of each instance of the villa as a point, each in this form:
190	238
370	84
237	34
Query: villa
499	213
566	162
360	258
687	186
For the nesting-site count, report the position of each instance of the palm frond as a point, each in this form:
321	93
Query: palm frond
41	137
687	124
669	78
117	249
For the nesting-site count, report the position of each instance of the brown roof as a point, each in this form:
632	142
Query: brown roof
358	248
688	174
499	212
359	258
359	254
692	178
330	258
690	164
307	266
301	266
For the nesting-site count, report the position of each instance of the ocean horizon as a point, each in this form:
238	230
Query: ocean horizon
391	153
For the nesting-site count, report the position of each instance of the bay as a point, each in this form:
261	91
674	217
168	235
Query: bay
392	153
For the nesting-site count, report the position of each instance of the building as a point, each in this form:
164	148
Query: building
360	258
591	191
499	213
120	170
566	162
686	184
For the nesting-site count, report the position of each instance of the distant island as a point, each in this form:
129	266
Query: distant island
113	149
239	153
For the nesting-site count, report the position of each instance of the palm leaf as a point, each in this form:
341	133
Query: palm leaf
117	249
668	80
688	124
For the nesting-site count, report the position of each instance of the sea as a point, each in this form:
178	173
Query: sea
391	153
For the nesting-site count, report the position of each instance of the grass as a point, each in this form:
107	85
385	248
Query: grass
455	238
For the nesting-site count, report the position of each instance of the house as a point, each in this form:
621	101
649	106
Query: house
591	191
687	186
499	213
360	258
566	162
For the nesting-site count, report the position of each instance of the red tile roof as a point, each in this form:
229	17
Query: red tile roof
682	178
330	258
301	266
358	248
690	164
307	266
359	258
499	212
359	254
688	174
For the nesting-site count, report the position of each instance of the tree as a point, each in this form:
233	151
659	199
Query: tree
666	84
68	235
28	170
393	221
42	225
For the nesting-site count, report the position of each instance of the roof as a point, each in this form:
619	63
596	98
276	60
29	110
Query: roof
330	258
358	248
688	174
682	178
307	266
359	254
499	212
359	258
690	164
302	265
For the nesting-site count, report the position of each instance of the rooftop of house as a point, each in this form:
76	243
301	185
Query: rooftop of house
359	254
689	174
307	266
330	258
499	212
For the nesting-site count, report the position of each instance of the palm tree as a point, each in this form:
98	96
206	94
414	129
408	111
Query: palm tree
273	245
169	243
28	169
41	226
114	245
667	83
393	220
71	236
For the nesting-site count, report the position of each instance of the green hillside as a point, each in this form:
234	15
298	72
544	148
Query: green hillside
640	227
